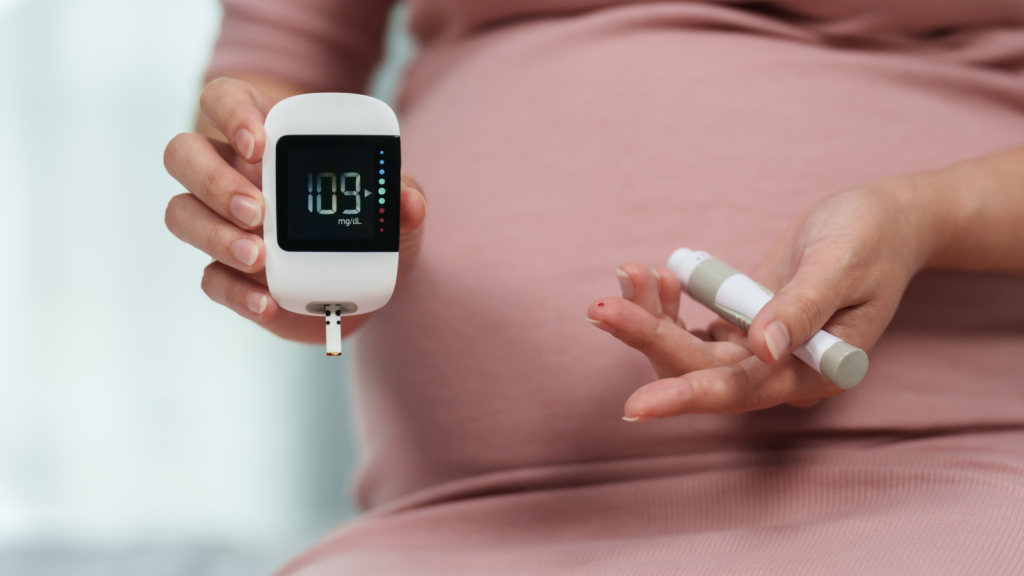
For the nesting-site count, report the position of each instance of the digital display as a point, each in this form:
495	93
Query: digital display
338	193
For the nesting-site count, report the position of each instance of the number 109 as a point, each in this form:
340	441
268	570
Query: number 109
348	178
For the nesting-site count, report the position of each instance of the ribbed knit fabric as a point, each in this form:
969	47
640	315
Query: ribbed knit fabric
558	139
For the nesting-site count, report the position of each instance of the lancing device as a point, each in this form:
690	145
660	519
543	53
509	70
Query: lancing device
737	299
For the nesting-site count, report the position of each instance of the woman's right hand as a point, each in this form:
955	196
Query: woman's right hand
222	213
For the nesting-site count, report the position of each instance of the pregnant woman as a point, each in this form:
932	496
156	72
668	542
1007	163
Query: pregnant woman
862	158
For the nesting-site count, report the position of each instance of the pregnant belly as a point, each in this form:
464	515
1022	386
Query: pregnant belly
552	152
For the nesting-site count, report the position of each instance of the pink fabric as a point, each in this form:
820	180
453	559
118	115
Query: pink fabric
558	139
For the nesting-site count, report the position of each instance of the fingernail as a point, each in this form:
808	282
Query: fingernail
245	251
245	143
638	418
246	210
777	338
602	325
256	302
626	284
654	272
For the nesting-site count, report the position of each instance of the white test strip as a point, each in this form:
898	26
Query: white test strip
332	312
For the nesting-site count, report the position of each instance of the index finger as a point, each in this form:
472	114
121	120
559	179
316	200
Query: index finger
238	110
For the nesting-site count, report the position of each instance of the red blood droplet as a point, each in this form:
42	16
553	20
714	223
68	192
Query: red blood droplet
599	304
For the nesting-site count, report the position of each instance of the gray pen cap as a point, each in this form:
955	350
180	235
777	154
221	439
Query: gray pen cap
844	365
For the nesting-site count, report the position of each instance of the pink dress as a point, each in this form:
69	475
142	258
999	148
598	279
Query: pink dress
557	139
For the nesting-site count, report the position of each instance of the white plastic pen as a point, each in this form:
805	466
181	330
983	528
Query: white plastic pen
737	299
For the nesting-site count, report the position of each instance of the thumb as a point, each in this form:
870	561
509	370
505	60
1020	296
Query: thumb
238	110
795	314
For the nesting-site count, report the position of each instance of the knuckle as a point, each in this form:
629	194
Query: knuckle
218	184
233	116
236	114
714	355
729	396
646	336
214	88
807	306
235	292
217	241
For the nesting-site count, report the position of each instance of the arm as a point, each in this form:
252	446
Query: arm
279	50
968	216
978	209
222	212
843	265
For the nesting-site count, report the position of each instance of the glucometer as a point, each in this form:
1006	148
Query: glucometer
737	299
331	179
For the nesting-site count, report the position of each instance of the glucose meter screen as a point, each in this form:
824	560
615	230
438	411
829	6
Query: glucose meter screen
338	193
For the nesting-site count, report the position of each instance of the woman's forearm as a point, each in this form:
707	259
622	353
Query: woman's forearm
974	211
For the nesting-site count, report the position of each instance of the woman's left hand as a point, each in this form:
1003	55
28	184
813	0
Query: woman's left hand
843	266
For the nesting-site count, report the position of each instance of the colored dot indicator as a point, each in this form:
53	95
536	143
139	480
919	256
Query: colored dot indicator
382	152
381	200
381	171
381	181
381	161
381	210
381	229
380	190
381	220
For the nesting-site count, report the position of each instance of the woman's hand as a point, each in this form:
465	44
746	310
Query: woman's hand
843	265
223	212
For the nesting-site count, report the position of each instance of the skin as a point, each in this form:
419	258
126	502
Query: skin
222	212
842	265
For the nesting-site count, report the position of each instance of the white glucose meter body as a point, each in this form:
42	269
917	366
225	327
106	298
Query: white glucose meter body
332	182
737	299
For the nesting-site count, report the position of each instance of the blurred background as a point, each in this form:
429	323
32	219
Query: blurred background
144	430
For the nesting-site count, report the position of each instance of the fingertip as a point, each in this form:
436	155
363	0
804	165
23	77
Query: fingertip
245	143
414	208
669	292
602	325
772	343
262	306
247	252
247	211
642	288
256	302
249	143
599	310
666	279
234	108
639	418
626	284
634	270
660	399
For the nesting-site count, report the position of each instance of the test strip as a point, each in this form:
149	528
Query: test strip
332	313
